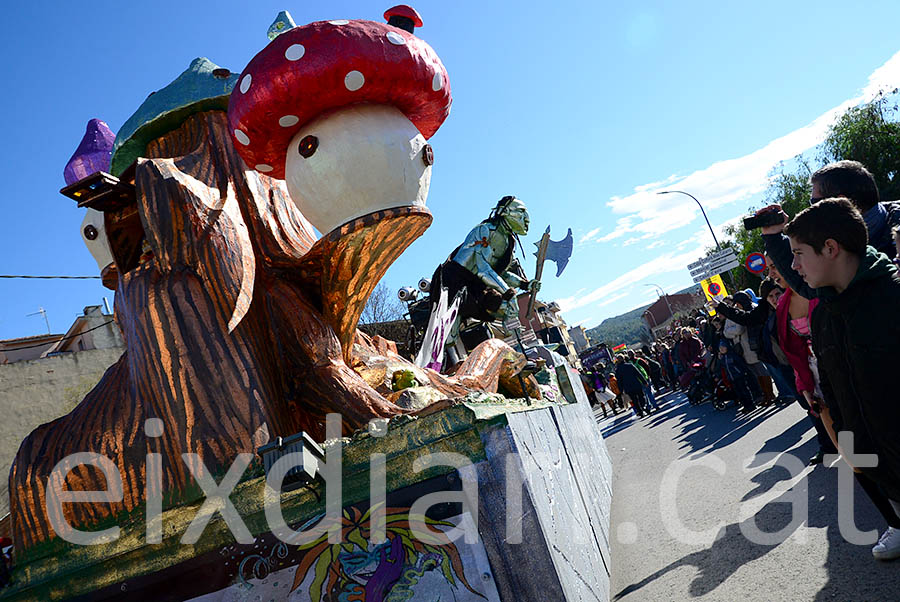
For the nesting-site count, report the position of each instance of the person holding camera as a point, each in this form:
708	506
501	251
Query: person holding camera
855	287
846	179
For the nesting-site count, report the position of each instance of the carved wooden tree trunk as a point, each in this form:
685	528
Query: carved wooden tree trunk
238	326
231	328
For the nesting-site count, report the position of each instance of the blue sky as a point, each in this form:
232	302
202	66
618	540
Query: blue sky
582	109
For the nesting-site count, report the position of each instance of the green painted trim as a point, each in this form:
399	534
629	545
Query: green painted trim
64	571
53	575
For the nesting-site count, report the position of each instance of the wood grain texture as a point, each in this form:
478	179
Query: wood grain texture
226	343
238	325
349	262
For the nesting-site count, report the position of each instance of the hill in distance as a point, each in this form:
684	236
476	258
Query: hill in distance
627	328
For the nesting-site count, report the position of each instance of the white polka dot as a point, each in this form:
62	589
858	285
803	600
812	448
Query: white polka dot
295	52
264	168
339	22
242	137
437	82
288	120
354	81
395	38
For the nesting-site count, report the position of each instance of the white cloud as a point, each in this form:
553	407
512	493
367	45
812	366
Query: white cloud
589	236
623	225
731	180
702	238
612	299
612	235
663	264
645	214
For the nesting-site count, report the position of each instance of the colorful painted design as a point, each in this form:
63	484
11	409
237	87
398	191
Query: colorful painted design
357	569
402	567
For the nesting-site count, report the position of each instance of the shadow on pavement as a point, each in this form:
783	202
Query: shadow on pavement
612	424
784	441
705	429
853	574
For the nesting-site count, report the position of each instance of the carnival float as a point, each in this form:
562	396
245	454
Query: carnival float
240	325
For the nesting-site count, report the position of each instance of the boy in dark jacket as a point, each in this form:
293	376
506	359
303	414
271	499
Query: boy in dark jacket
855	336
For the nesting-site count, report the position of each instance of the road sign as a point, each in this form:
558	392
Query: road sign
714	288
714	263
756	263
723	265
726	252
717	269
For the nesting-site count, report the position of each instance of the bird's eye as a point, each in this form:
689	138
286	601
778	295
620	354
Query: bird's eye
90	232
427	155
308	146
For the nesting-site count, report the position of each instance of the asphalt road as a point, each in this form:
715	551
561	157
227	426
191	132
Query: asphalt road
728	483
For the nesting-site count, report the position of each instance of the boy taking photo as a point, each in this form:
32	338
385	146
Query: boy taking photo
855	331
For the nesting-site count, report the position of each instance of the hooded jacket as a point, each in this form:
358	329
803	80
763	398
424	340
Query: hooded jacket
689	351
856	338
883	240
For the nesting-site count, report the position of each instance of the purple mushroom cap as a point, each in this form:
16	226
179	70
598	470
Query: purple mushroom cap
93	154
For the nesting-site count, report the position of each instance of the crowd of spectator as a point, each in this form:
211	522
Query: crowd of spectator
820	331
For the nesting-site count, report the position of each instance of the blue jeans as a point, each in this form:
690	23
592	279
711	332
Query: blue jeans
784	379
650	399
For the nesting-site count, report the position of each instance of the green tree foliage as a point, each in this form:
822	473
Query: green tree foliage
868	133
791	190
628	328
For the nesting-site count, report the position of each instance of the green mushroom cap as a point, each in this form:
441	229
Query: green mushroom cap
204	86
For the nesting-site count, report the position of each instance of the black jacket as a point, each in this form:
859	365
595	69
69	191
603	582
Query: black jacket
885	242
755	322
630	378
856	338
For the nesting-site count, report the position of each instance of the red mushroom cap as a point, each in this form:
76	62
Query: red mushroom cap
325	66
402	10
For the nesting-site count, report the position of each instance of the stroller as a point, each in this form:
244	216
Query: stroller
701	385
722	394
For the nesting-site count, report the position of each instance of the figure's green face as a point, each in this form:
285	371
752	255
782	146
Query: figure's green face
516	216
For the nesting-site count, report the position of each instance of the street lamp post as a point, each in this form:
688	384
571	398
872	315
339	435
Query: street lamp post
662	293
708	225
